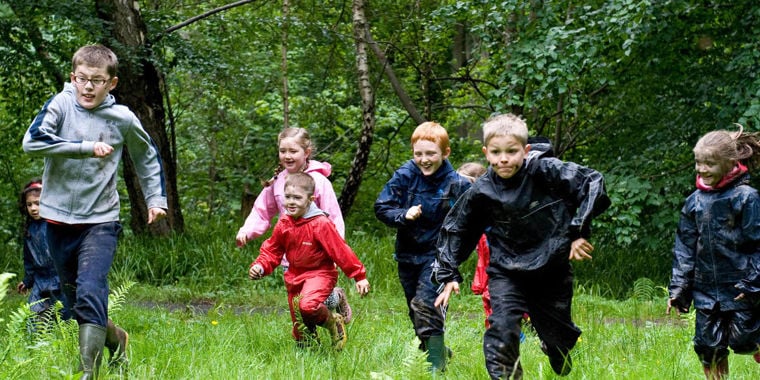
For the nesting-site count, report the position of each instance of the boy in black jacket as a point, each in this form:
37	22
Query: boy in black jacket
539	211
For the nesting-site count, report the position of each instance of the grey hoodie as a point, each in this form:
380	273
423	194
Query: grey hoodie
80	188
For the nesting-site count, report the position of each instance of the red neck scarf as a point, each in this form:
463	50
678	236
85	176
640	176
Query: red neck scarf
735	173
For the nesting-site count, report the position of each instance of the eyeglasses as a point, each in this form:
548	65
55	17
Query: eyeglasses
97	82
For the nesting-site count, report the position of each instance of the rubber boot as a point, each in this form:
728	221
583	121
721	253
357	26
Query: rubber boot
437	353
117	341
92	338
337	328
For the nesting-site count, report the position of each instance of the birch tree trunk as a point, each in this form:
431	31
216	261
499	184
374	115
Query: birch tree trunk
359	165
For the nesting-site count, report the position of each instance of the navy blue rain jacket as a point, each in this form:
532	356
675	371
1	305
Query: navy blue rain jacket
534	216
717	248
415	239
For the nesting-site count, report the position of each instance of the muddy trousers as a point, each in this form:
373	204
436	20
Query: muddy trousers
544	294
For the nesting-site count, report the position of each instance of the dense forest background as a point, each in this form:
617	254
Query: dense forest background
623	86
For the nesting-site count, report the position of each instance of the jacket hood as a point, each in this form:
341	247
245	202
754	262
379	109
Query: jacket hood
320	167
312	212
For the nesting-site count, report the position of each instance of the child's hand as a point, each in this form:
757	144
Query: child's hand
362	287
672	303
155	214
580	249
102	149
414	212
443	298
21	288
241	239
256	272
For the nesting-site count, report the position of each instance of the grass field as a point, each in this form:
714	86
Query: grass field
193	314
178	335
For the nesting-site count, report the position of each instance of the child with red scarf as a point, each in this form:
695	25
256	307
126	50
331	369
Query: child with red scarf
716	261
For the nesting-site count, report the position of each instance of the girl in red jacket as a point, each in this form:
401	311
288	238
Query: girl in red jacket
312	245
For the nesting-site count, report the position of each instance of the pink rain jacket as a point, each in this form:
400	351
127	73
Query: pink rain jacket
271	201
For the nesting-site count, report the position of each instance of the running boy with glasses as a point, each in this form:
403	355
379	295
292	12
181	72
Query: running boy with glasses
81	133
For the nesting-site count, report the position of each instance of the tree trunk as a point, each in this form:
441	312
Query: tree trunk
139	89
361	31
284	64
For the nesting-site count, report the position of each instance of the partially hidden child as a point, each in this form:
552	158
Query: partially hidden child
40	278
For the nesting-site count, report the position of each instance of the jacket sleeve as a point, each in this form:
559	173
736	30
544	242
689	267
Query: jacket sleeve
41	139
147	163
460	232
326	200
581	186
390	207
480	280
684	255
29	273
271	252
750	284
264	209
332	243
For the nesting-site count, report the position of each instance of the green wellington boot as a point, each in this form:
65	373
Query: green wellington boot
437	353
92	338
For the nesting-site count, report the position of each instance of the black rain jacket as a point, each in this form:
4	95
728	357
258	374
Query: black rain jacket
534	216
717	250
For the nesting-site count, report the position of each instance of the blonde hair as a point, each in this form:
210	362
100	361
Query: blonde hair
471	170
432	131
727	146
505	125
302	181
95	56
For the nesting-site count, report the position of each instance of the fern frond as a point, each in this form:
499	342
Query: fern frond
644	289
117	296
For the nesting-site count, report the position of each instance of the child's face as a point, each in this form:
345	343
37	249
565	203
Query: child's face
297	201
292	155
33	205
89	94
428	156
712	169
506	155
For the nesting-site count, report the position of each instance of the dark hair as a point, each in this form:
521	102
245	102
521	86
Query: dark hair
32	187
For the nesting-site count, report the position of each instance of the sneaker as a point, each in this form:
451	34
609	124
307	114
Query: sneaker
343	307
561	363
756	356
337	329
